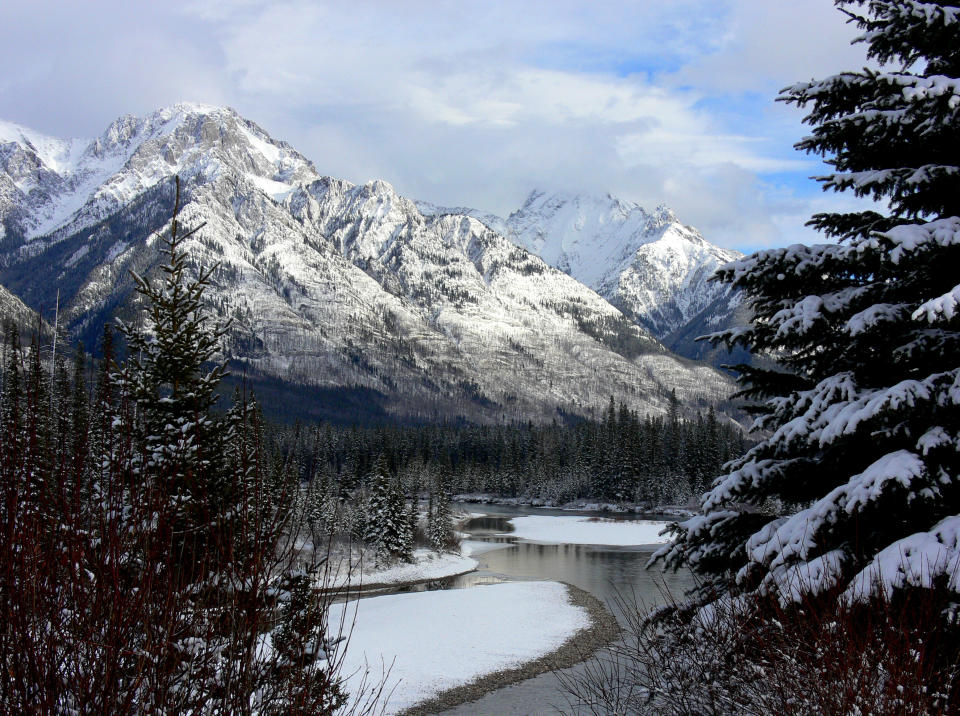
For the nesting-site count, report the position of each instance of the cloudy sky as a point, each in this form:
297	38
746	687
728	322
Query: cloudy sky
469	103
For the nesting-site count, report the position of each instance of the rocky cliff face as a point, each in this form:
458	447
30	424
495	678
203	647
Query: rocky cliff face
328	284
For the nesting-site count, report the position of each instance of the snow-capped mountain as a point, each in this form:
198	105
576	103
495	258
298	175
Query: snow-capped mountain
328	284
649	265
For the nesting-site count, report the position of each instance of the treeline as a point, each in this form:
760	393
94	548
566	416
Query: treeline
624	457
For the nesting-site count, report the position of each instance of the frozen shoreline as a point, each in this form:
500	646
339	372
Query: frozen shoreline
427	567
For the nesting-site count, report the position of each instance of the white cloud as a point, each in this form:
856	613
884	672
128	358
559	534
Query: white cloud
470	103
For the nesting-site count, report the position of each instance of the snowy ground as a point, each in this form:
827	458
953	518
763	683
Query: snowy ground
588	530
427	565
442	639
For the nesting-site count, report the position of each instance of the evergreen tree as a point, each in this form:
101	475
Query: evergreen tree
439	519
387	520
377	513
856	486
172	378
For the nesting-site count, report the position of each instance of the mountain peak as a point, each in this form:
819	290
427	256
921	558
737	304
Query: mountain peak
57	179
663	214
584	234
602	204
648	264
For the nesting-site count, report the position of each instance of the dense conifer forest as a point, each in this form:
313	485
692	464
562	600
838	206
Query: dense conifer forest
624	458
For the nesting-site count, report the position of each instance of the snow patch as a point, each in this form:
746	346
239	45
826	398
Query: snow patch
589	530
442	639
278	191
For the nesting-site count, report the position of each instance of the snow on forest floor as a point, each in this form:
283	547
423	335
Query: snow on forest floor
441	639
588	530
427	565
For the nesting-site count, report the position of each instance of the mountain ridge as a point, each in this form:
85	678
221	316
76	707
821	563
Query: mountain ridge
648	264
328	283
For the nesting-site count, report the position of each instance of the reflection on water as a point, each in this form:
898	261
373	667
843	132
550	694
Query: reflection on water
487	525
604	571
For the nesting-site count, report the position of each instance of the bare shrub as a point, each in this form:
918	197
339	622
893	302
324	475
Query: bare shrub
755	656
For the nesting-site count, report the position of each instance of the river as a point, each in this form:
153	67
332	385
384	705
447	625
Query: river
603	571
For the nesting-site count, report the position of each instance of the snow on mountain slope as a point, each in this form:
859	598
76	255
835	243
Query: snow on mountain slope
69	186
328	283
649	265
57	155
13	309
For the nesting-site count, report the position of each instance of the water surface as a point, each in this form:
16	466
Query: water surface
604	571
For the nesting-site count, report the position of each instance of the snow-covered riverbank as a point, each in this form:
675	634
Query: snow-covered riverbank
588	530
442	639
427	565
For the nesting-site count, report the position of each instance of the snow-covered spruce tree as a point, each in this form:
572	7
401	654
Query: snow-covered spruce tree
439	519
387	521
377	514
857	485
222	534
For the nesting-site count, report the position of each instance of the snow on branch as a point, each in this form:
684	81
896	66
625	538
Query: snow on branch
796	259
878	178
746	481
920	560
697	529
797	582
874	315
797	537
799	318
913	87
910	238
845	417
927	12
942	308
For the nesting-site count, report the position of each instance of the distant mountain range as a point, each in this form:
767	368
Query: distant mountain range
355	293
650	266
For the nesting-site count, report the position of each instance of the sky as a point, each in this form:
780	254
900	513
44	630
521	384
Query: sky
469	103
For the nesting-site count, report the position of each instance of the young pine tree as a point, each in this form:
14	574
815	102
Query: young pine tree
172	377
857	486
